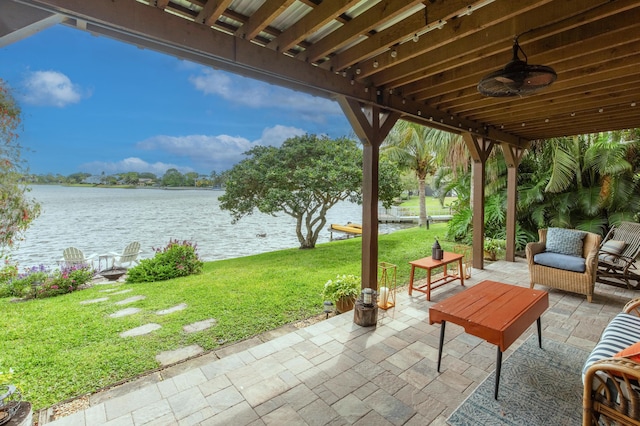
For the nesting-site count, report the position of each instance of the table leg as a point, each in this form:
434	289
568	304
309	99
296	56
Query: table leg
461	272
428	284
539	333
441	344
413	269
498	368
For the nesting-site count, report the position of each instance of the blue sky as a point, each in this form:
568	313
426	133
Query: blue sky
93	104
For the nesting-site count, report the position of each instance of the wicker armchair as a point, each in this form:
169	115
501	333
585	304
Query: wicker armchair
576	282
612	386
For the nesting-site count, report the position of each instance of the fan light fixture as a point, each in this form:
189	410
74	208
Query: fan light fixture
517	78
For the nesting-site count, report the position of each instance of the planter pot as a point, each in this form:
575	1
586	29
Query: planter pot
490	255
344	304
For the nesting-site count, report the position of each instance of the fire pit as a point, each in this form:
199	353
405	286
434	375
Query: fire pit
10	398
113	274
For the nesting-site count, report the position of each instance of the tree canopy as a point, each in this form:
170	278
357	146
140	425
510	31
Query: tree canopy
16	210
303	178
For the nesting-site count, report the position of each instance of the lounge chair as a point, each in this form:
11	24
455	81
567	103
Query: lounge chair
72	256
617	256
128	256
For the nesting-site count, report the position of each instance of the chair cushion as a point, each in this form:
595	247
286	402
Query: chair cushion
632	352
565	241
560	261
621	332
613	247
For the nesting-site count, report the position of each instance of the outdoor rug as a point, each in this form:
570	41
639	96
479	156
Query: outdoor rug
537	387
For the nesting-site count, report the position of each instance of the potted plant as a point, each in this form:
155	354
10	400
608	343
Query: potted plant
492	247
343	291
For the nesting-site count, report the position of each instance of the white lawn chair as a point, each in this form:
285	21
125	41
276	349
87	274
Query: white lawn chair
72	256
129	255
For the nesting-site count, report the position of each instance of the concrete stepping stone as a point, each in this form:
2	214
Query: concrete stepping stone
131	300
173	309
123	291
139	331
125	312
200	325
109	290
98	300
171	357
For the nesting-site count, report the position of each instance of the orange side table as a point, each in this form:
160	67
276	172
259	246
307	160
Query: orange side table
428	263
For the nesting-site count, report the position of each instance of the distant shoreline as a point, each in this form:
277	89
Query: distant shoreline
92	185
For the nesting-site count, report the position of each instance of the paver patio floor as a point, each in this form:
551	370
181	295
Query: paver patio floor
337	373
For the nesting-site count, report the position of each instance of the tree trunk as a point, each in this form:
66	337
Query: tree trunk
422	202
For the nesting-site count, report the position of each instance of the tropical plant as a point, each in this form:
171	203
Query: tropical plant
303	178
176	259
419	149
344	286
16	210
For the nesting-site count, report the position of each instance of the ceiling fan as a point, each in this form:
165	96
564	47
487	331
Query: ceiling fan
517	78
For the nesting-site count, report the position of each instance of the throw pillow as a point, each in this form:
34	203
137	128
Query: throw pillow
632	352
610	250
565	241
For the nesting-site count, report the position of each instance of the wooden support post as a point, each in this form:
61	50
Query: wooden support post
512	156
371	124
479	149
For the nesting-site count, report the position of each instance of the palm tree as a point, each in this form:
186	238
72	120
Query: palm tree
587	182
419	149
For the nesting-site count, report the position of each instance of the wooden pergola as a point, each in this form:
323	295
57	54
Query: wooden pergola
385	60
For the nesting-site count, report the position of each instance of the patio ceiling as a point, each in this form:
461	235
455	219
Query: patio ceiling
422	59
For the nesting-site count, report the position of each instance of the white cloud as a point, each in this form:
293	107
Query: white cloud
50	88
206	153
256	94
274	136
131	164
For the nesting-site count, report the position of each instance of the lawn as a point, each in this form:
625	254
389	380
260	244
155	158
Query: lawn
59	348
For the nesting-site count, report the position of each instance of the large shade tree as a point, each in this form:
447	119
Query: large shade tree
17	211
303	178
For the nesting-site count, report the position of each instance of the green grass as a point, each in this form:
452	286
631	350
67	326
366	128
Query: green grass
60	349
431	202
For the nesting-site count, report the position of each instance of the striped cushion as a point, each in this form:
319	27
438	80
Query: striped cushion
622	331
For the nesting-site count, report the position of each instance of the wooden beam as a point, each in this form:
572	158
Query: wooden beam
211	11
327	11
262	18
479	148
513	156
360	25
372	125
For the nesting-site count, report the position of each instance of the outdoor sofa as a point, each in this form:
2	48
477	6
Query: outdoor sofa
565	259
611	373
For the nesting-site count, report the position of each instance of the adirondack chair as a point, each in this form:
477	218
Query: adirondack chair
618	254
128	256
72	256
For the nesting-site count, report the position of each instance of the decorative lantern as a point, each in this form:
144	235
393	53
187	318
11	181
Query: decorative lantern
367	297
387	285
436	251
328	307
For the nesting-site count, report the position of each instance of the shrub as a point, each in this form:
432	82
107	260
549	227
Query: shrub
177	259
342	286
39	281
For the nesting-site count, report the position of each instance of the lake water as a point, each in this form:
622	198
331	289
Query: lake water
102	220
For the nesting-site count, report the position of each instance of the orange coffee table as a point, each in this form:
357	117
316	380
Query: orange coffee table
496	312
428	263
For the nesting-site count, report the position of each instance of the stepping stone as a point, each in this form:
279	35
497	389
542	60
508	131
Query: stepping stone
108	290
171	357
200	325
88	302
131	300
139	331
125	312
123	291
173	309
